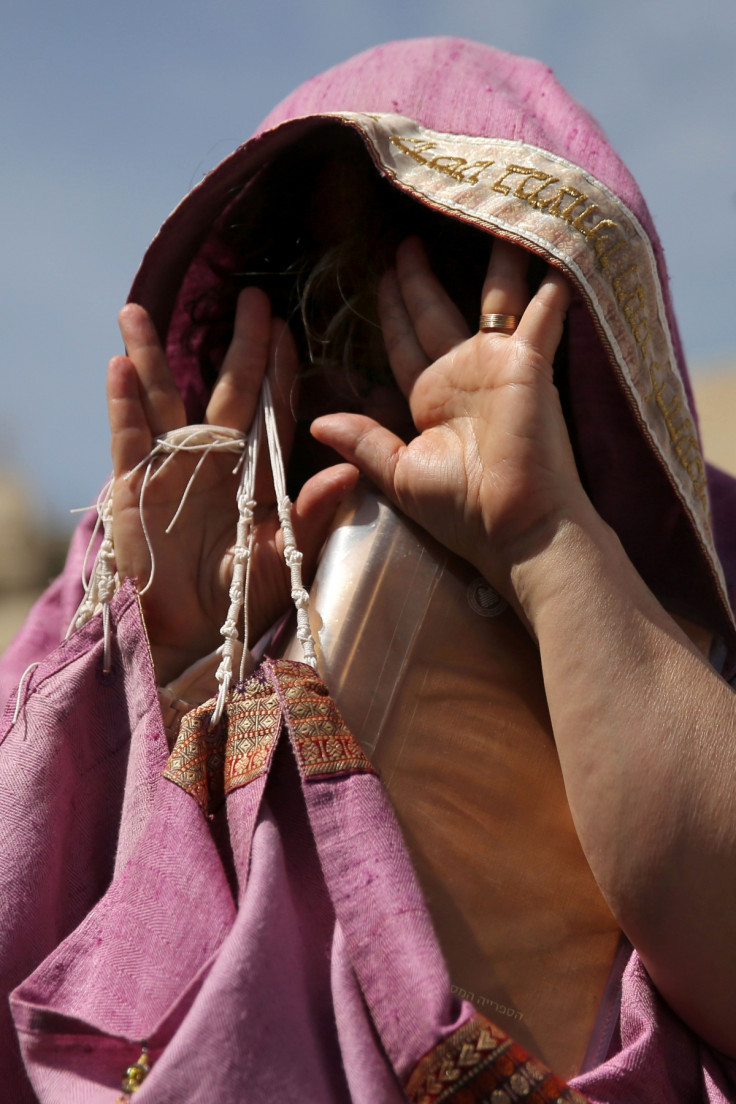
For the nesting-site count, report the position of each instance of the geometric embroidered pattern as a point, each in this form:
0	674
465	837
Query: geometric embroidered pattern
197	760
210	762
480	1064
253	716
322	742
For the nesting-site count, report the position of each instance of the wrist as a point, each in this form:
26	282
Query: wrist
576	548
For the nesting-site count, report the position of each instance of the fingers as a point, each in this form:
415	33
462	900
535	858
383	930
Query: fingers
542	324
159	396
315	508
131	433
437	323
235	396
421	324
541	319
403	347
369	446
259	345
505	287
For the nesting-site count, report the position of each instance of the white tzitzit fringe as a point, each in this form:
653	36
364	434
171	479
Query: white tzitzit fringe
103	581
292	555
19	692
244	544
240	582
205	439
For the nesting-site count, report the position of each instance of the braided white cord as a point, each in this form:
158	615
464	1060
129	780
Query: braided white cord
93	536
292	555
241	568
87	605
103	581
244	654
19	693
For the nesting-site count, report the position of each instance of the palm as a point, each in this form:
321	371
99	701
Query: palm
492	450
195	557
185	599
492	464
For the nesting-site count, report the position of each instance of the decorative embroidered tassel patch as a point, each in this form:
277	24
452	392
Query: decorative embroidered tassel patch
210	761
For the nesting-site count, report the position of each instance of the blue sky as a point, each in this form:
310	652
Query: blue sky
112	111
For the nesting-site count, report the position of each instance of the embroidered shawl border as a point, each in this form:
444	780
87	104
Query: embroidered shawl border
561	212
210	761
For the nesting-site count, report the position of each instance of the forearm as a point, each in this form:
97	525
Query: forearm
644	729
646	734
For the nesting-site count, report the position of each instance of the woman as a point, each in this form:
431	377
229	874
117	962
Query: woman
568	475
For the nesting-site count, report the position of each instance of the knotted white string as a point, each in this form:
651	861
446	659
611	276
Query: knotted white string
197	438
103	581
19	693
241	567
292	555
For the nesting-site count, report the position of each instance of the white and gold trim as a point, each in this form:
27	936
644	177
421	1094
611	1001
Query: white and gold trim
561	212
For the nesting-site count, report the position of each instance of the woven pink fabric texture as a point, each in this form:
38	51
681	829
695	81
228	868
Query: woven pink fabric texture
297	969
309	962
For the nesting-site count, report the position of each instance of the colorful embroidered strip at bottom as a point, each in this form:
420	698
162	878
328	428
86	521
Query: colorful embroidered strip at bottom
480	1064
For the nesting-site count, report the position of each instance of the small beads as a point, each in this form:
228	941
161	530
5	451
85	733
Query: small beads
136	1074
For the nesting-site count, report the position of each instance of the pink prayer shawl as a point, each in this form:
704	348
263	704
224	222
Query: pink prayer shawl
303	967
281	949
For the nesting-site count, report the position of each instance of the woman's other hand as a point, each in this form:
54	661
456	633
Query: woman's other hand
491	473
188	598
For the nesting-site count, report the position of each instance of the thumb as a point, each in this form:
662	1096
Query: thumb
372	448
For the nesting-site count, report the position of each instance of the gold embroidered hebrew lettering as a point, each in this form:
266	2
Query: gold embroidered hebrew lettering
450	166
445	163
531	194
680	427
579	221
415	147
499	186
556	205
471	173
615	251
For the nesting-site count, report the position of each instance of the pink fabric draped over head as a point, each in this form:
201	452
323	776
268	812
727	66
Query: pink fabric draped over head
446	84
451	84
464	88
101	916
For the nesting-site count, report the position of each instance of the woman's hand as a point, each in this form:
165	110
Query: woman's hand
644	728
491	473
188	599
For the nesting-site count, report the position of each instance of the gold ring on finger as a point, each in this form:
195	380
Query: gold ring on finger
498	323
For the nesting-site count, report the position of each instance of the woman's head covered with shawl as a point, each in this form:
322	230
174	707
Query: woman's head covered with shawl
457	141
